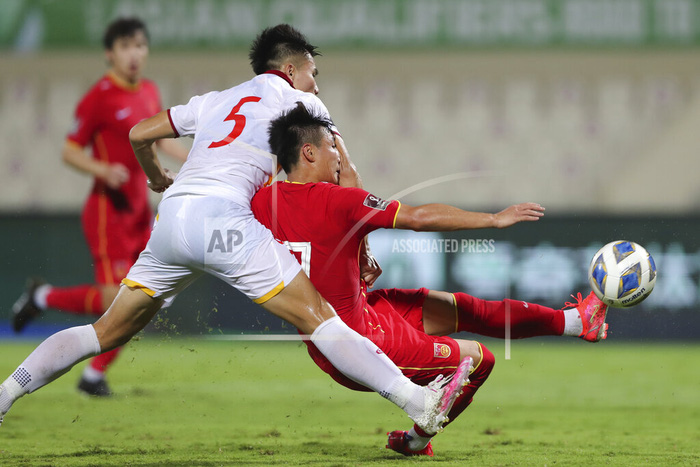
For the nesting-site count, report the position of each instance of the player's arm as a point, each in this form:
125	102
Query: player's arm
114	175
142	137
173	149
441	217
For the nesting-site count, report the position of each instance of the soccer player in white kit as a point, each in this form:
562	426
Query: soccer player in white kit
205	225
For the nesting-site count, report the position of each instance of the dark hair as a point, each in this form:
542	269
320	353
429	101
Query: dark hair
291	130
275	45
122	27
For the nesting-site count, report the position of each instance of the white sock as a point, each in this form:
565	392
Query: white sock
417	442
92	375
40	295
54	357
572	323
361	360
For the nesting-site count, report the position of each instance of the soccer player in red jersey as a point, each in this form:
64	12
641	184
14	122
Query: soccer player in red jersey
325	225
117	217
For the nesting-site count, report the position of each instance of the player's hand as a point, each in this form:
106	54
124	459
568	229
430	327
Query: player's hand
159	185
519	213
369	269
115	175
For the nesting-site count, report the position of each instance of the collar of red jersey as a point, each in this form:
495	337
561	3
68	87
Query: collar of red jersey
281	75
122	83
306	183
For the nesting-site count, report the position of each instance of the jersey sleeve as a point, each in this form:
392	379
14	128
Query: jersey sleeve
183	118
362	211
86	120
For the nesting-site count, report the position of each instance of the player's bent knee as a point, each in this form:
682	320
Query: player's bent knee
483	359
486	363
469	349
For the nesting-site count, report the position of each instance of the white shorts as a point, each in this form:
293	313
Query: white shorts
196	234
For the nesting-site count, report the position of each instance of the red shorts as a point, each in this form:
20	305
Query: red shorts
395	325
115	236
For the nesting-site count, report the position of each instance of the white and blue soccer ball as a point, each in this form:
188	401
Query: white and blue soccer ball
622	274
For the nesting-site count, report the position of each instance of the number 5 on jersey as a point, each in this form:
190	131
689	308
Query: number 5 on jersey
239	122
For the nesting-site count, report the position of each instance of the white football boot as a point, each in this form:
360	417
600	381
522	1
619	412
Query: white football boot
440	395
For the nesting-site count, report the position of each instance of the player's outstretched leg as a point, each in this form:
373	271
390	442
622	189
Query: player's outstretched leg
445	313
130	312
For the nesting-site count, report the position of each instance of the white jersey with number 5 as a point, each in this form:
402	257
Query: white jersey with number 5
230	156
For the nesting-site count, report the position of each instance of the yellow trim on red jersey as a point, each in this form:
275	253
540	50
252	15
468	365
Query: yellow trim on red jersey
481	358
277	289
136	285
393	226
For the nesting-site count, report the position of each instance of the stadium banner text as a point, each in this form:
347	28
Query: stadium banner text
29	25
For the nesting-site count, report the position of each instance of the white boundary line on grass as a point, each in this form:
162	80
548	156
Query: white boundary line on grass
255	337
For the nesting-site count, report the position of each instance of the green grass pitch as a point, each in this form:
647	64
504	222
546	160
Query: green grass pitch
199	403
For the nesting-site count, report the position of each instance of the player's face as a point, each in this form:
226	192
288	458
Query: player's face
128	56
328	159
304	76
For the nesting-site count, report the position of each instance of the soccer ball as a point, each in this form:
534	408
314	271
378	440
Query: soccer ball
622	274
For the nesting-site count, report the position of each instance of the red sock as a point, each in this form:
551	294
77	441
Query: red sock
81	299
488	318
102	361
476	379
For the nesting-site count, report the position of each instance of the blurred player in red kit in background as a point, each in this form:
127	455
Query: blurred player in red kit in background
117	217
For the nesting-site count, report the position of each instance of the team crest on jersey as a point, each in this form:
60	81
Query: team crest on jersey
373	202
442	350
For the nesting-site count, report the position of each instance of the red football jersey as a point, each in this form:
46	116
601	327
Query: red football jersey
103	119
324	225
